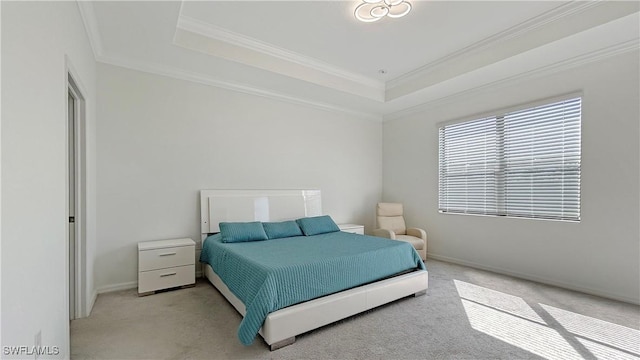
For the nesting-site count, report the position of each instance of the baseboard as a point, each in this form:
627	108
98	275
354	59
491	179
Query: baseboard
543	280
123	286
117	287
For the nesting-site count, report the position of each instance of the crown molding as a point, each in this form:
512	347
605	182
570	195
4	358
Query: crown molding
593	56
204	29
491	41
180	74
88	15
217	33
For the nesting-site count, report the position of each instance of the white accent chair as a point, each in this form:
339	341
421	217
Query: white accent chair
391	225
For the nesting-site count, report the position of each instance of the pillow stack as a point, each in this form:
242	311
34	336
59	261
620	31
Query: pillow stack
233	232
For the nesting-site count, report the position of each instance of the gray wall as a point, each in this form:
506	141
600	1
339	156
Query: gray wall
601	254
161	140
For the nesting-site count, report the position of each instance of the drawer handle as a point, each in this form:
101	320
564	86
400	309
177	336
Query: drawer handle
167	254
167	274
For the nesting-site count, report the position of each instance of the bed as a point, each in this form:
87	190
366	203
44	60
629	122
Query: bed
287	286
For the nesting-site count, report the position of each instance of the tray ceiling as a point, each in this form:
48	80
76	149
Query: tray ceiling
318	54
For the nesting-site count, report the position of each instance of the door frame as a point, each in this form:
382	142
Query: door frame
74	86
72	119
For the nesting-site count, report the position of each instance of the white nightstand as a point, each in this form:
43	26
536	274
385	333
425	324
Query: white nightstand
164	264
352	228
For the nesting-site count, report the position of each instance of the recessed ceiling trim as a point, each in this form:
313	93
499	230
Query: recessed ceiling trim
491	41
212	47
593	56
88	15
180	74
214	32
403	107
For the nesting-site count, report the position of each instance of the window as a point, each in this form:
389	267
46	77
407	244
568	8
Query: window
524	163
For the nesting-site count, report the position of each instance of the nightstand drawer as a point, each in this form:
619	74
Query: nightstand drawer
166	278
167	257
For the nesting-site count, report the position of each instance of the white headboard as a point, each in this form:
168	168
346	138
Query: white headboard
256	205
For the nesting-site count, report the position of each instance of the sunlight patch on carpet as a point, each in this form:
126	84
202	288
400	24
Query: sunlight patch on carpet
601	351
497	300
527	335
602	332
564	336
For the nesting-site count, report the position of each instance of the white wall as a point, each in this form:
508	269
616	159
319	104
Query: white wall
0	175
598	255
36	38
161	140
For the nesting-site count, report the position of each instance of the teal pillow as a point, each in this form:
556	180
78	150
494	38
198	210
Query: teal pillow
317	225
277	230
242	231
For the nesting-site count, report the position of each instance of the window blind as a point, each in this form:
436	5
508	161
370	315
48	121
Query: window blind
524	163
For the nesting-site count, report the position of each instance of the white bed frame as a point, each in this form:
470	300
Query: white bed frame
281	327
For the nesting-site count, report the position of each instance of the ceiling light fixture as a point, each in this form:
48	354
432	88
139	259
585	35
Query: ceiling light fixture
374	10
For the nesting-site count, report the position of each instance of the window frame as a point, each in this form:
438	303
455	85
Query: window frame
501	169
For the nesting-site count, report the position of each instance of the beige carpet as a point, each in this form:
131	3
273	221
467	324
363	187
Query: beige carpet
466	314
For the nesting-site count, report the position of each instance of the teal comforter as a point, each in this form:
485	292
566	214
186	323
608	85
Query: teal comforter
272	274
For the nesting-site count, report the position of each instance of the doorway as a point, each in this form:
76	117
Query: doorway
71	110
75	197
